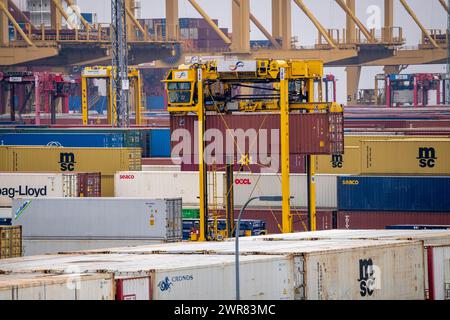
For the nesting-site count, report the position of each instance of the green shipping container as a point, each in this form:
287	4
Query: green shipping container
191	213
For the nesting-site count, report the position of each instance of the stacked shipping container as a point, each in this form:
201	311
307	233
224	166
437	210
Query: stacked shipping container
107	161
313	270
51	225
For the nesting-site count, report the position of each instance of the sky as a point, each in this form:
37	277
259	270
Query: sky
430	13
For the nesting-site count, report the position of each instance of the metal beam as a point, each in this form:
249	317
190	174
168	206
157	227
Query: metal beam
61	10
353	76
316	23
419	24
210	22
281	22
135	22
4	30
75	9
4	8
286	24
388	19
355	19
444	4
172	22
261	28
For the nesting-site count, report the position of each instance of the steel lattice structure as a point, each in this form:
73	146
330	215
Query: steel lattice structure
120	62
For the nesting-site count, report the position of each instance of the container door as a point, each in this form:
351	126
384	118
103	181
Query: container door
134	289
299	278
70	185
439	272
174	220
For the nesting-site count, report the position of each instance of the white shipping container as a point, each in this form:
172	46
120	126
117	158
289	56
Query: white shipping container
167	184
153	167
429	237
438	258
36	185
99	218
178	277
325	269
186	184
56	287
247	185
5	213
139	288
33	247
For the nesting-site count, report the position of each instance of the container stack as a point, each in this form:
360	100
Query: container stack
324	265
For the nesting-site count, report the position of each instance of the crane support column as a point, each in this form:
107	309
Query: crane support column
353	76
4	30
310	171
285	187
56	18
201	159
388	20
172	23
241	26
84	100
282	22
350	23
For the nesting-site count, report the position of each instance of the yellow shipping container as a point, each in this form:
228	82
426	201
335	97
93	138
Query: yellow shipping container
428	156
348	163
53	159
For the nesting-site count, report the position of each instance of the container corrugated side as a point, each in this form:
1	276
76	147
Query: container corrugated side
139	288
325	269
380	219
393	193
167	184
188	277
65	160
99	218
347	163
438	259
407	156
247	185
57	287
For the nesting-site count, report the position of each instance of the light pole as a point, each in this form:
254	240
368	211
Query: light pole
237	233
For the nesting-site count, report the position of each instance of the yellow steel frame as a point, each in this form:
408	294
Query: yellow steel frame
102	72
278	72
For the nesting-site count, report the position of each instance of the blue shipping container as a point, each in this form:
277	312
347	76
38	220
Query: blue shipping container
88	140
155	103
159	143
374	193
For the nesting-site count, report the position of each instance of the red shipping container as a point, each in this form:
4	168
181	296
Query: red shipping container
89	185
379	220
258	136
325	220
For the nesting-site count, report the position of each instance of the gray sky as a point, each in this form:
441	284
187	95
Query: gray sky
430	12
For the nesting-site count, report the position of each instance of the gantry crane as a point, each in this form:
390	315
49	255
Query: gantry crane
207	86
106	72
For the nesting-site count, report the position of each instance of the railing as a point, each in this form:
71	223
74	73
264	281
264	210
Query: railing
389	36
97	33
441	37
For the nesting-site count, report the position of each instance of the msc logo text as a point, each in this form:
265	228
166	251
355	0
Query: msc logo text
427	157
67	161
337	161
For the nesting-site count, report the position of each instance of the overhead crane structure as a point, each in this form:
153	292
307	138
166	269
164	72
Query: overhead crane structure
36	90
353	47
207	86
102	72
72	45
